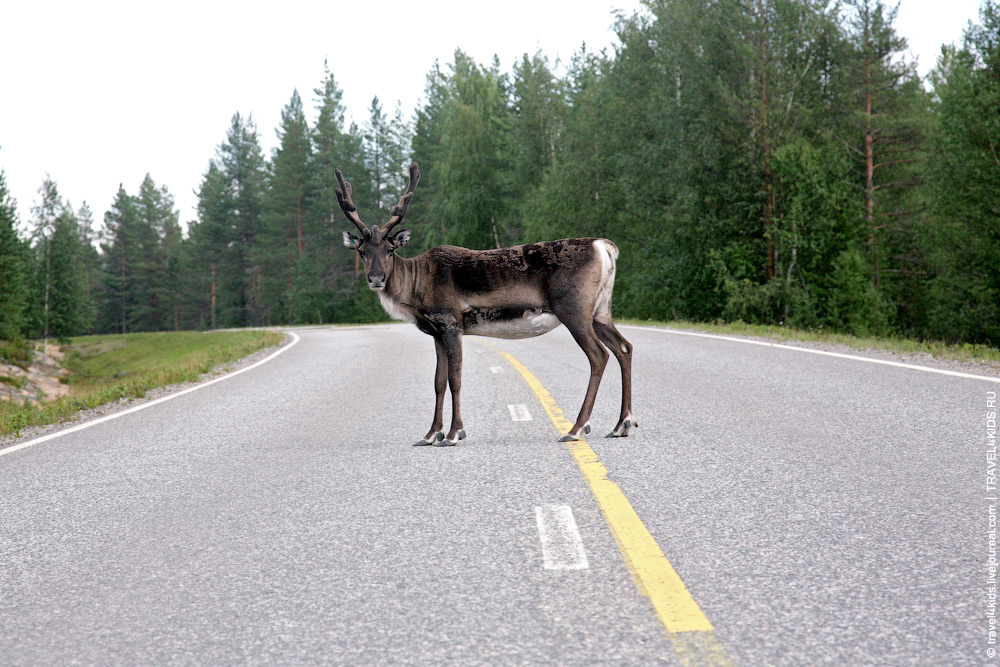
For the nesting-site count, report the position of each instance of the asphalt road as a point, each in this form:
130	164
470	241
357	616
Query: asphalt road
820	510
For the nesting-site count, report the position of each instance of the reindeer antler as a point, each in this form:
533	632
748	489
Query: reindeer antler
399	210
347	206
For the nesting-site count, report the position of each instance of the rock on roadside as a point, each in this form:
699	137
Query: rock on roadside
42	381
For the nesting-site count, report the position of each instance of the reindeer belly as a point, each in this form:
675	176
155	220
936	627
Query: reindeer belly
509	322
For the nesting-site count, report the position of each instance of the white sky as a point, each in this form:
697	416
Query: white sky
100	93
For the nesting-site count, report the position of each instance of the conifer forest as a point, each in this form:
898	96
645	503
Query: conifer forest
770	161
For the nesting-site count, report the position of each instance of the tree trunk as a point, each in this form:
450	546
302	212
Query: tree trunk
123	306
766	146
213	294
870	151
48	273
298	220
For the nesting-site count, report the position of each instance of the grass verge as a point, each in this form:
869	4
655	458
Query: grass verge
981	354
109	368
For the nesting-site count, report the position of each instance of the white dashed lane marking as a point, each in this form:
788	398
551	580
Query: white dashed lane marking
562	546
519	412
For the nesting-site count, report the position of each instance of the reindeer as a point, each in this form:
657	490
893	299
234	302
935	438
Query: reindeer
516	292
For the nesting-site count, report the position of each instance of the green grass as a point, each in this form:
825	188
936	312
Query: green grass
983	354
109	368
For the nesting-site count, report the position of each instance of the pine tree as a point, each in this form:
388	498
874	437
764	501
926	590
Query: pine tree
155	275
91	260
118	261
210	238
332	276
386	145
797	59
397	149
539	107
537	119
290	191
141	281
70	312
568	199
14	263
91	240
427	151
335	146
61	303
45	215
375	138
288	231
242	164
887	134
471	158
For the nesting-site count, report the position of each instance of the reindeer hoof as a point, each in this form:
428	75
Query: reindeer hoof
573	436
621	431
434	439
447	442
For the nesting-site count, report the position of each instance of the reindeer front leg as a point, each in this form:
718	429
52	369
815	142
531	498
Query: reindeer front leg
452	341
435	434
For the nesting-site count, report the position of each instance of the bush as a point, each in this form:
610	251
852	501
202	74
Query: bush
777	301
854	304
16	352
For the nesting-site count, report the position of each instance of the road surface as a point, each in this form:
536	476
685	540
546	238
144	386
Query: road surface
819	510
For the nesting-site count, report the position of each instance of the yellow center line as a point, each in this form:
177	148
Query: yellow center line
690	631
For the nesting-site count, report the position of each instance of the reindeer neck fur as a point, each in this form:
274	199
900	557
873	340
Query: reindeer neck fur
397	297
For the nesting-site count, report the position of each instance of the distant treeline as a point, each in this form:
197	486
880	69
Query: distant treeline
771	161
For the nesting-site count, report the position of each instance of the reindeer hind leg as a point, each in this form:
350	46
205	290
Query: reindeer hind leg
587	339
622	349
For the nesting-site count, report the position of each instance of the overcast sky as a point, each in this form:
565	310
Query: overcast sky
100	93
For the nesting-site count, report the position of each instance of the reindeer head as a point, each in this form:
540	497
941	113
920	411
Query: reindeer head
377	247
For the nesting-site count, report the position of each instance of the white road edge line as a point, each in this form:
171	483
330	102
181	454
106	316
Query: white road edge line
838	355
519	412
562	546
143	406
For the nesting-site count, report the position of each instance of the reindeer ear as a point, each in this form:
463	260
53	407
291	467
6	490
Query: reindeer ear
401	238
351	241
